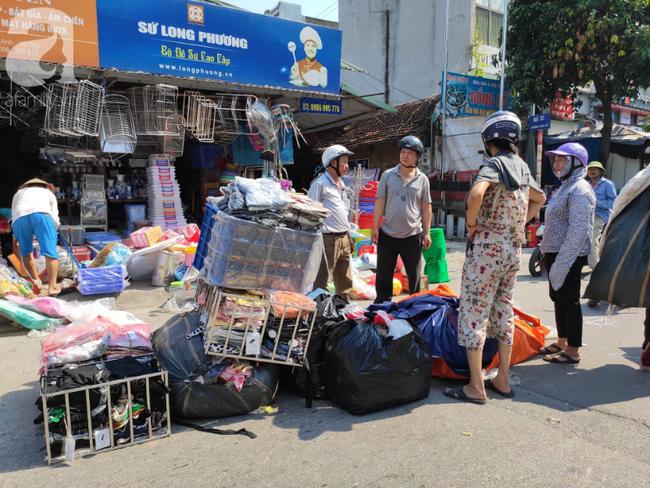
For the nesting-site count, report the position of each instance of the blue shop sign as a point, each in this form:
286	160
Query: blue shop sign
539	122
469	96
195	39
322	106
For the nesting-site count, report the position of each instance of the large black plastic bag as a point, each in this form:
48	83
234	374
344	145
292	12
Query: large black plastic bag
621	275
328	317
186	363
366	372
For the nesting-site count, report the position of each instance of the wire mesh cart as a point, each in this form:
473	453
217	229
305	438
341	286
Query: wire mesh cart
256	326
104	416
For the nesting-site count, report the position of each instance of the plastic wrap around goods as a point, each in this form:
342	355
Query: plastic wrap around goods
194	396
248	255
97	281
28	318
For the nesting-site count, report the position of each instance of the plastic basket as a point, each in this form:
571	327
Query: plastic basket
98	281
248	255
206	233
145	237
99	239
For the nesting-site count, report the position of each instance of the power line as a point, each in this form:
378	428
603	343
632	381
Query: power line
399	90
329	7
335	8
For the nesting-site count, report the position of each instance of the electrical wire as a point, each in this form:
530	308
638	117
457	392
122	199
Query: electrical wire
329	7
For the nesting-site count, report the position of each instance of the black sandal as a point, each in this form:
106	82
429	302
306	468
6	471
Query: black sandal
491	386
459	394
562	358
552	349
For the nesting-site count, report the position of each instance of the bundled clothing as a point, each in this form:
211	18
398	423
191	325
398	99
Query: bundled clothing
264	202
492	259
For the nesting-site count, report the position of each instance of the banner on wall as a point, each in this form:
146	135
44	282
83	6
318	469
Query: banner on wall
53	31
562	108
471	96
202	40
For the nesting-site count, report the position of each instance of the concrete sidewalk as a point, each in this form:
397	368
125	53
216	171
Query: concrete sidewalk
567	426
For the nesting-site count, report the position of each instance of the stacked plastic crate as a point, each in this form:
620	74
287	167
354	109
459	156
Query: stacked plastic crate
367	199
165	207
241	317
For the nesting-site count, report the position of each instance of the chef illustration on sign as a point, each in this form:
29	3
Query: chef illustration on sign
308	71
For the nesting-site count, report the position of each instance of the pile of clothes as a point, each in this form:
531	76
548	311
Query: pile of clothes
99	346
435	315
208	386
254	325
264	201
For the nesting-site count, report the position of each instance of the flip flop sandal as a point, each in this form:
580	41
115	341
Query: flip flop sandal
561	358
459	394
552	349
490	386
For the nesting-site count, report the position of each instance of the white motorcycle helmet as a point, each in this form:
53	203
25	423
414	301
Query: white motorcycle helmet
332	153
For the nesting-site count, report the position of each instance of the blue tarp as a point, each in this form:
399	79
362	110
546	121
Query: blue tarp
437	320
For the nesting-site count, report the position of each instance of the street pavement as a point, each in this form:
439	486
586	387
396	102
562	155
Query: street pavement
568	426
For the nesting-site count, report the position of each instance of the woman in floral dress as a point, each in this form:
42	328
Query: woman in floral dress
502	199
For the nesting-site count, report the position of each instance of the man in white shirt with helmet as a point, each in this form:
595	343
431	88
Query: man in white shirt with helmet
330	190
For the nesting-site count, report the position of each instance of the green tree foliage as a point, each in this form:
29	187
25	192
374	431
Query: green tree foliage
559	45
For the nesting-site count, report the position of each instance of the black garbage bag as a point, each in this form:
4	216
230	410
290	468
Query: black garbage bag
621	275
366	372
191	395
328	317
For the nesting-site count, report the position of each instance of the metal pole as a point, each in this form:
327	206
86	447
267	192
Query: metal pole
443	101
503	53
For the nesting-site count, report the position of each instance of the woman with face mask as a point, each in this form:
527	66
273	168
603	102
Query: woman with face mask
566	246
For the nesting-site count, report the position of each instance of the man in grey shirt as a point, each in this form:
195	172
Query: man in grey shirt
330	190
404	200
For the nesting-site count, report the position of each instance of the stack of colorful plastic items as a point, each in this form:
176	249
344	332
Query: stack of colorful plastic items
367	198
165	207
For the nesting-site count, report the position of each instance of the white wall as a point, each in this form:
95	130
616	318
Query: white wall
416	49
621	169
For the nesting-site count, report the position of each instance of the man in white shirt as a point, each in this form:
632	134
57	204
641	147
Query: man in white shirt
330	190
34	212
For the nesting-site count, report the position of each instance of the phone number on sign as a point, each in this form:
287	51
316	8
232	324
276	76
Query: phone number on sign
320	107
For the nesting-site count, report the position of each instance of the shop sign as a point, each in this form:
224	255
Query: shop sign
562	108
320	106
482	60
539	122
53	31
196	39
468	96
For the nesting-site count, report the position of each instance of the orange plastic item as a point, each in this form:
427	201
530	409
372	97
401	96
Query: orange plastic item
291	304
